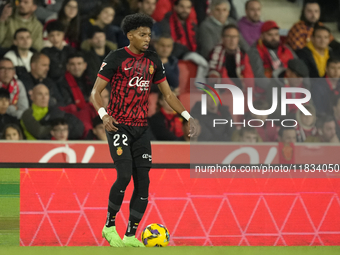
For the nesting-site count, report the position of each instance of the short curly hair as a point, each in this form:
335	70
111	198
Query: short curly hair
134	21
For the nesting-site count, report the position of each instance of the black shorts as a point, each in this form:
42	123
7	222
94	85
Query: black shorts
130	143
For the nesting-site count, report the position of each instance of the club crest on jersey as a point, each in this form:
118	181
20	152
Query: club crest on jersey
102	66
119	151
151	69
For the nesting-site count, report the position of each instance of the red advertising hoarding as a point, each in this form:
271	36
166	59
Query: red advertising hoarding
169	153
68	206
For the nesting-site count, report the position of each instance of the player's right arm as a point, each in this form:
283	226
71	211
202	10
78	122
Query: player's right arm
97	102
105	74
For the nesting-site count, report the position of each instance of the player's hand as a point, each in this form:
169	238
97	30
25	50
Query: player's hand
6	12
108	122
194	128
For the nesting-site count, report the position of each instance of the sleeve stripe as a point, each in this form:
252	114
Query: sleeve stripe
103	77
157	82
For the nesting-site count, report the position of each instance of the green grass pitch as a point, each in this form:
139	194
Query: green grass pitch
9	206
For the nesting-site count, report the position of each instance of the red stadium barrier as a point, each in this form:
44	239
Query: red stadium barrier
170	153
68	207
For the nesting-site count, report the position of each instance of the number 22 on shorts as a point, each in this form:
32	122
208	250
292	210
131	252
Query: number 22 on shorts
116	139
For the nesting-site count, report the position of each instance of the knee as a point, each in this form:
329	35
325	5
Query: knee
124	173
124	181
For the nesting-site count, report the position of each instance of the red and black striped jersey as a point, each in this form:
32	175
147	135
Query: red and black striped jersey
131	76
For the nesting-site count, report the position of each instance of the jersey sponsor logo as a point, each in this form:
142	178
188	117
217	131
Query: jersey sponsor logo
151	69
139	82
147	156
102	66
127	68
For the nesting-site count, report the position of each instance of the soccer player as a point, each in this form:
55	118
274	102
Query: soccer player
130	71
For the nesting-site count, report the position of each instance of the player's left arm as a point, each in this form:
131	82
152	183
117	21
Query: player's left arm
176	105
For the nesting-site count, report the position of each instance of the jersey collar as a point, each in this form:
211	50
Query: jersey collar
133	54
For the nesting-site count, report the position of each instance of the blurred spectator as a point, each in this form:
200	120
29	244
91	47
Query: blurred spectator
268	55
98	130
323	89
21	54
47	8
326	126
267	132
306	124
165	6
147	6
76	87
59	52
250	25
59	131
164	46
316	52
12	132
70	18
39	68
220	133
22	17
299	35
96	48
249	135
180	27
246	135
287	135
293	76
209	33
36	120
183	29
31	119
162	7
8	81
166	124
227	60
4	104
103	18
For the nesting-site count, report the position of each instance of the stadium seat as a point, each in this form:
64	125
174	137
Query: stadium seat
187	70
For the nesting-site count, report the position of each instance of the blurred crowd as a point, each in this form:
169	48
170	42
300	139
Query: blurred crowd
51	51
